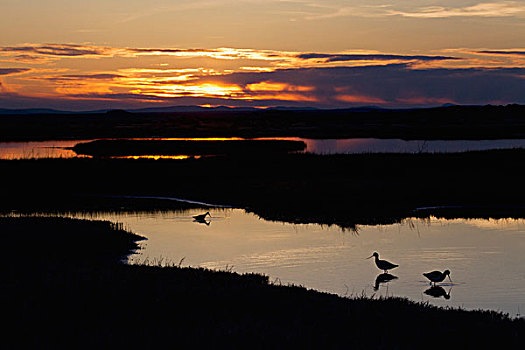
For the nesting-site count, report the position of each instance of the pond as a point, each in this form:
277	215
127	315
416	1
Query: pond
485	257
58	149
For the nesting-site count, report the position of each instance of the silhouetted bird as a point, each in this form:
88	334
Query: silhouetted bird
437	276
201	217
383	264
437	292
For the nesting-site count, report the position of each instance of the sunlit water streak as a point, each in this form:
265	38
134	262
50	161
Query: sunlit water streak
486	257
58	149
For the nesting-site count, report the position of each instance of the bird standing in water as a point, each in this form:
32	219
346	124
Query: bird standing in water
437	276
201	216
383	264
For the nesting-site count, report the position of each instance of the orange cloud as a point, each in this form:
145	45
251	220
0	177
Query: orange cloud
269	86
360	99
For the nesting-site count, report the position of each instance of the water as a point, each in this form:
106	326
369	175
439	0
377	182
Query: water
485	257
56	149
37	149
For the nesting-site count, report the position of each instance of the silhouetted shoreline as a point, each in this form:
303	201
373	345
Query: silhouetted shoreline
82	297
441	123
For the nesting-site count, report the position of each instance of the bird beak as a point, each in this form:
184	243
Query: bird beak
449	278
370	256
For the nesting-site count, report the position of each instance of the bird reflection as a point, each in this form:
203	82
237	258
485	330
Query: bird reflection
383	278
202	221
438	292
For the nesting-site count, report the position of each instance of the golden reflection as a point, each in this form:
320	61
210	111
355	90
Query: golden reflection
198	139
155	157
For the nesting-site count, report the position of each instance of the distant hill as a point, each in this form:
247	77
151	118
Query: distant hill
32	111
170	109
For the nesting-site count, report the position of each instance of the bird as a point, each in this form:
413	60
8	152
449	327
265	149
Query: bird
201	217
437	276
383	264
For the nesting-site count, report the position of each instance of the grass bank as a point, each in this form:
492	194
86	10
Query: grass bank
64	288
344	190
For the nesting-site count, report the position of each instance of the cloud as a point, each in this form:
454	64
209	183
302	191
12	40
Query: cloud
58	50
316	11
79	77
10	71
389	85
503	53
371	57
489	9
264	77
37	53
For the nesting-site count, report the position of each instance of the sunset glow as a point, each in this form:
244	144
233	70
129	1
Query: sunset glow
288	53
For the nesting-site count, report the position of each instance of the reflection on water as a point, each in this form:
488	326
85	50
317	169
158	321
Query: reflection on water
486	256
438	292
371	145
156	157
382	279
57	149
38	149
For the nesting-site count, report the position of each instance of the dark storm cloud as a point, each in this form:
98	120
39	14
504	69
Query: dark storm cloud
397	84
8	71
370	57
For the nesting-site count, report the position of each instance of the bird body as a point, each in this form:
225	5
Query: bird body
201	217
383	264
437	276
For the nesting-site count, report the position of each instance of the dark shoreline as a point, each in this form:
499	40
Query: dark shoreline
85	299
442	123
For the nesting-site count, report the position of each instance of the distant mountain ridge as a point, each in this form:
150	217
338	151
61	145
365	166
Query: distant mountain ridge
174	109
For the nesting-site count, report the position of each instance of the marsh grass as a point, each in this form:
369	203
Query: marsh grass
85	298
342	190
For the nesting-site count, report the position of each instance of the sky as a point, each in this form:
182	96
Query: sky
98	54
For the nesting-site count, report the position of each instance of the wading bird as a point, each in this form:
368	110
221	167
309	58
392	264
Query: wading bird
201	217
437	276
383	264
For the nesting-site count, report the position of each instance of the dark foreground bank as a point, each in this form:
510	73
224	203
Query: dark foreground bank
55	299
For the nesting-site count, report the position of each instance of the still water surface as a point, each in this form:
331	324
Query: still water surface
486	257
58	149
